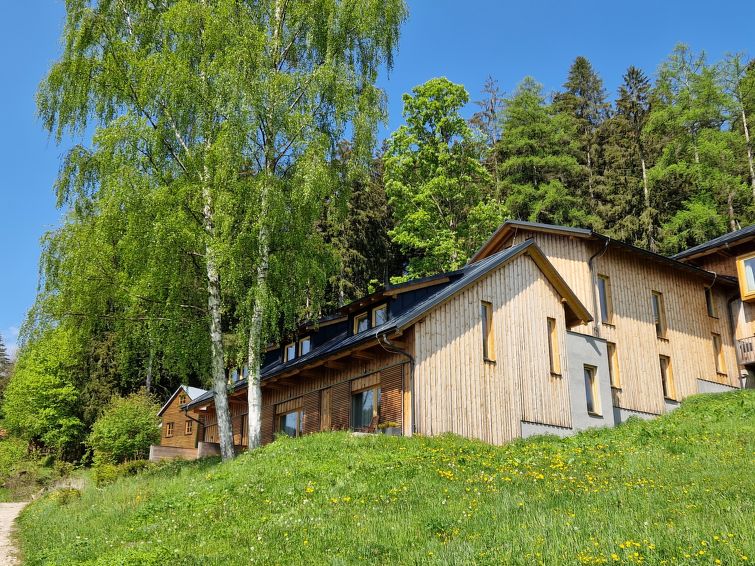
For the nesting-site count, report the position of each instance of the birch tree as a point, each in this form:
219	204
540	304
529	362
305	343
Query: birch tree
308	80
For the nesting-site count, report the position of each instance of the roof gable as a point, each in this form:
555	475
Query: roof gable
193	393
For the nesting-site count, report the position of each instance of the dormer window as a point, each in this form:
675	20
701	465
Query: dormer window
234	375
305	345
361	323
289	352
379	315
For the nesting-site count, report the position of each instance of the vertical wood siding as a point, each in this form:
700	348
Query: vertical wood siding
689	341
457	391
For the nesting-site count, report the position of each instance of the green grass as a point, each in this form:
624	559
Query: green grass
677	490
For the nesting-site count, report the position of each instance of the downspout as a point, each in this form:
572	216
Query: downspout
594	281
388	346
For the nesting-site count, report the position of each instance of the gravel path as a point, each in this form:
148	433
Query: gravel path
8	514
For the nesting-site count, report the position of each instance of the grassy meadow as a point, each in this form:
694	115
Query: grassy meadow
676	490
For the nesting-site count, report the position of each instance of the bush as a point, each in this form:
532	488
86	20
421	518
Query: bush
133	467
65	495
104	474
125	430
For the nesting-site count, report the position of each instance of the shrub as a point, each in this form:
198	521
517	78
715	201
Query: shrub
65	495
104	474
126	429
133	467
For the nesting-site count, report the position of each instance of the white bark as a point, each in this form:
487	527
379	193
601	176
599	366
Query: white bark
749	152
219	383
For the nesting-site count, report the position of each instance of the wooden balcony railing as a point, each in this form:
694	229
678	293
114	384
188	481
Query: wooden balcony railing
746	350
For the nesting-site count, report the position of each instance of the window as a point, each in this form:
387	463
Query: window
365	407
305	345
234	375
182	399
659	314
592	392
189	429
718	352
488	337
245	372
289	352
168	430
553	352
710	303
613	365
379	315
746	276
606	299
290	423
667	378
361	323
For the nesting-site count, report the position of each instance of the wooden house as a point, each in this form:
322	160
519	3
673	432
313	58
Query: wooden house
546	329
180	431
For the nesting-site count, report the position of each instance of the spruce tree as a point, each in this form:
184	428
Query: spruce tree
538	164
584	100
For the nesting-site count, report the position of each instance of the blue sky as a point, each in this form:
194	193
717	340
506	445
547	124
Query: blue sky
463	40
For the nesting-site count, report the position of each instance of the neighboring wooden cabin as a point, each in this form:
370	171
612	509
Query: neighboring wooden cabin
179	430
547	329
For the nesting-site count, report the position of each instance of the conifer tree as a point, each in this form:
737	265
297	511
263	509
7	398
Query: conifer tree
584	100
538	164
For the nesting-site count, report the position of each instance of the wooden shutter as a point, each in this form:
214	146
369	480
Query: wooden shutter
268	417
340	406
391	383
325	408
311	408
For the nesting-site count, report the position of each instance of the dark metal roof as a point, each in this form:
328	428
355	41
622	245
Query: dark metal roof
721	241
468	275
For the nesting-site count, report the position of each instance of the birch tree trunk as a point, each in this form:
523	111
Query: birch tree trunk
749	152
219	383
646	193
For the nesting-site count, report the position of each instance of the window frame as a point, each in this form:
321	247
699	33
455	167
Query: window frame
710	303
182	399
667	378
718	354
614	374
594	388
607	297
488	331
299	412
377	400
745	293
169	429
308	340
661	321
554	350
384	308
188	427
357	319
286	357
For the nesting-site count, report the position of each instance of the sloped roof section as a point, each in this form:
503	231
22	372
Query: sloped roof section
717	243
468	275
193	393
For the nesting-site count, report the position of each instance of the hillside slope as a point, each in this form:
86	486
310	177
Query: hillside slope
677	490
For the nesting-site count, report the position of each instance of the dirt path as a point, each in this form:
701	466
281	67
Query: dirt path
8	514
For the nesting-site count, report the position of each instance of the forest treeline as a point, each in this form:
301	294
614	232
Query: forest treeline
664	163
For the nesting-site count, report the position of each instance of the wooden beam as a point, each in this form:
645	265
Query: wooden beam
335	365
363	355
